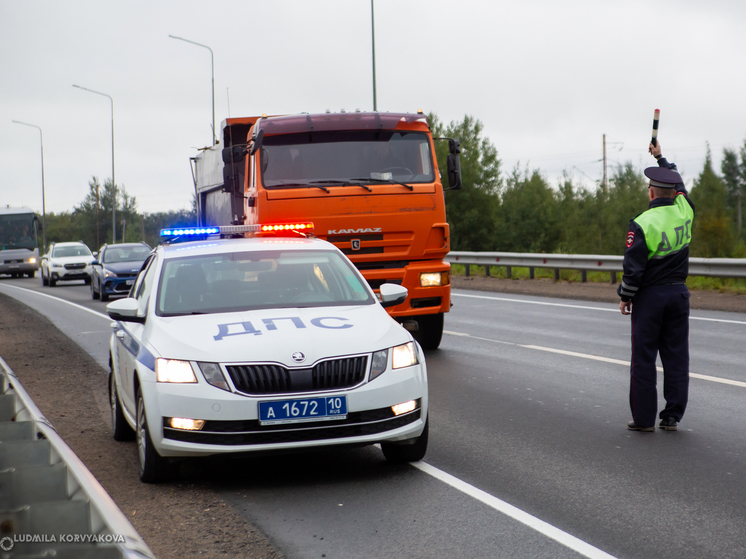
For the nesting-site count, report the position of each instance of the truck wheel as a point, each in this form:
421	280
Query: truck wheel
430	330
400	453
152	467
31	274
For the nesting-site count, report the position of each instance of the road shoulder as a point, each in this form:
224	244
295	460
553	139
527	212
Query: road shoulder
180	519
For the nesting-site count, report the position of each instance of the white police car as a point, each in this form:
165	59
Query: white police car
249	344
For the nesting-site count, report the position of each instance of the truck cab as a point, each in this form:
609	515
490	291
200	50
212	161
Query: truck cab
369	182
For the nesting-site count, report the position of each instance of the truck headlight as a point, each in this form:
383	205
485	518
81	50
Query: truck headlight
403	356
32	260
434	279
173	370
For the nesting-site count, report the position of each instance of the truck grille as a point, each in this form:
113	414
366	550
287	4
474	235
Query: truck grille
277	379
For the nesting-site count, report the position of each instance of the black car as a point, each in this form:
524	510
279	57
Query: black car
115	269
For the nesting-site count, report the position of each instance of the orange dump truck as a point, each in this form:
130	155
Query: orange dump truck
369	182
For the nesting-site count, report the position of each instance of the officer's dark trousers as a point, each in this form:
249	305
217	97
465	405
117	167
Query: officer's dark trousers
660	323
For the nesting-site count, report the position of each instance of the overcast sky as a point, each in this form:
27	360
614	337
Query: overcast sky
548	79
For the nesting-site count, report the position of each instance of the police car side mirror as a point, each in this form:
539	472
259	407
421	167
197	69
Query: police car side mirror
125	310
392	295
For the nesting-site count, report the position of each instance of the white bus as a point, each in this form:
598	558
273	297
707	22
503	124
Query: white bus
19	242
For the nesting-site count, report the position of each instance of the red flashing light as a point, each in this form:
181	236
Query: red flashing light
305	227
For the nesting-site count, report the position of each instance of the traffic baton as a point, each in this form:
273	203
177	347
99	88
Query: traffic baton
656	118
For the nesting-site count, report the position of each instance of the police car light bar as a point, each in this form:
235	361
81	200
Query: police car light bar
295	227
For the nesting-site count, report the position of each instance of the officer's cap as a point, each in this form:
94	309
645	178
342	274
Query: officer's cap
662	177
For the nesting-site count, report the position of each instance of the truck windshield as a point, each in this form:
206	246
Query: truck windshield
343	157
18	231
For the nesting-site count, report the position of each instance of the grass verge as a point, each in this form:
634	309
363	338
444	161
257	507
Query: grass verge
722	285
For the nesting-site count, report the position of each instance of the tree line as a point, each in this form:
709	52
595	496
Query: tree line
519	211
91	220
513	211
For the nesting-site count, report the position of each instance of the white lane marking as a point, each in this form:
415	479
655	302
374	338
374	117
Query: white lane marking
96	313
603	309
578	545
593	357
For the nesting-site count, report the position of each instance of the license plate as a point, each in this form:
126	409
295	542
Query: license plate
129	282
307	409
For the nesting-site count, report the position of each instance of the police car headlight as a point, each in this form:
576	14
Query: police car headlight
403	356
214	376
379	363
173	370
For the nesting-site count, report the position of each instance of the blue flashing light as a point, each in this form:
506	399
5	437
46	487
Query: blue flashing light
189	231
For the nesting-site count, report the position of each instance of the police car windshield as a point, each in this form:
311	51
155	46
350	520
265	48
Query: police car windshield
231	282
333	158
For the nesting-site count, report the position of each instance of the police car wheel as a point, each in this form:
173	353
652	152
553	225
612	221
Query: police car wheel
152	467
120	427
400	453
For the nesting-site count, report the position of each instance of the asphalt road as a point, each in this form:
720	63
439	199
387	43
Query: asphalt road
529	455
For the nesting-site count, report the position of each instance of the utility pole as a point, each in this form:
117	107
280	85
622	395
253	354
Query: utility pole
98	227
373	39
605	181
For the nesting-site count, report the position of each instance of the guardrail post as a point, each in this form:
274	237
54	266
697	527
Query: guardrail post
531	273
487	271
467	270
509	271
556	274
583	276
613	277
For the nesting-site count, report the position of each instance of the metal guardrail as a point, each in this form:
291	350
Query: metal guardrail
50	504
709	267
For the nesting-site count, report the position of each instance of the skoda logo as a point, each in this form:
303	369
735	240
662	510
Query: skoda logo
298	357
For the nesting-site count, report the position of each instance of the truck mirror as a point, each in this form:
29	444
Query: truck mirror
454	171
258	141
231	179
234	154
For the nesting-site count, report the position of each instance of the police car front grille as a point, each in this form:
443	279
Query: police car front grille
276	379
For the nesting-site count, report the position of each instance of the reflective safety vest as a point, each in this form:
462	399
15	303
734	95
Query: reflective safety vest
667	229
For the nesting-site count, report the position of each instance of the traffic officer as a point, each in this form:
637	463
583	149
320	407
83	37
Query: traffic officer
653	290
